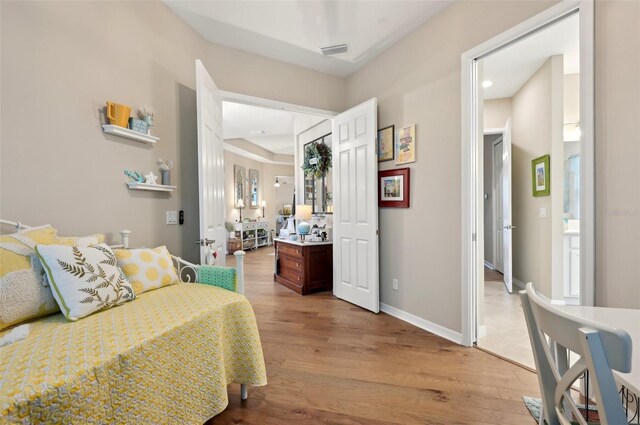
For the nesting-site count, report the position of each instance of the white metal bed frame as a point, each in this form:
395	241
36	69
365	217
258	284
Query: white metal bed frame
183	267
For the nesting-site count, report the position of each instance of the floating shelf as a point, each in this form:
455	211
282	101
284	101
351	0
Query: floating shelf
154	187
129	134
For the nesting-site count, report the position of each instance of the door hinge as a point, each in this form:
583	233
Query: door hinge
473	237
377	232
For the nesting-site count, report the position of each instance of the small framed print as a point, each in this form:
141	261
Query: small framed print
385	144
405	145
394	188
541	176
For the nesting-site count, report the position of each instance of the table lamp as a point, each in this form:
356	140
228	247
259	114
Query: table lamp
240	205
303	213
263	205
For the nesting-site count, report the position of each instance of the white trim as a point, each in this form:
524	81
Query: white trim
489	265
494	206
491	131
254	156
228	96
472	167
421	323
520	284
482	331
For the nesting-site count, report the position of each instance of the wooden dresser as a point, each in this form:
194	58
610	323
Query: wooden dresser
304	267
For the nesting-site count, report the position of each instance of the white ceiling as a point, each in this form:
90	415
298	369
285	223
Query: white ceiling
511	67
293	31
243	121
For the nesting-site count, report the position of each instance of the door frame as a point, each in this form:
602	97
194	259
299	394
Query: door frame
472	151
494	205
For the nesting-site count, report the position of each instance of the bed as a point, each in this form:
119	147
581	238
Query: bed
166	357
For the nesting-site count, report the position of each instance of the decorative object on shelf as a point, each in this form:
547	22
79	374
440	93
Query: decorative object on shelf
541	176
385	143
138	126
118	114
146	114
135	176
231	228
317	159
263	205
406	145
241	183
165	170
240	206
150	178
303	214
395	188
254	184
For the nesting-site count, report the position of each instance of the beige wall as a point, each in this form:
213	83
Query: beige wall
617	153
496	112
61	61
418	81
535	125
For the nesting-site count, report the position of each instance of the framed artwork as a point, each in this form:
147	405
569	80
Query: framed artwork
394	188
253	188
287	209
385	144
541	176
406	145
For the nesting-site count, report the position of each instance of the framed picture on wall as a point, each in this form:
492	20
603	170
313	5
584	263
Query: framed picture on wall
406	145
385	144
394	188
541	176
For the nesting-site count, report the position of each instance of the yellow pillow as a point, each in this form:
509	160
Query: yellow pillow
24	294
147	269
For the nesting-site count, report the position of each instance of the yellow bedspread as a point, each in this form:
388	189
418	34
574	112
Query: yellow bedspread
164	358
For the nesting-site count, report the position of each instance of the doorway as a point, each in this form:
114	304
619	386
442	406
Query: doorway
546	210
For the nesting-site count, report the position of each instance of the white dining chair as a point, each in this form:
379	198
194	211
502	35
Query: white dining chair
601	349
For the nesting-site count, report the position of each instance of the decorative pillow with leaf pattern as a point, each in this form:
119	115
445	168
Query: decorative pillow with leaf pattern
84	279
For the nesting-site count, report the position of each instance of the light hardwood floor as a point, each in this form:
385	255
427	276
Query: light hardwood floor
329	362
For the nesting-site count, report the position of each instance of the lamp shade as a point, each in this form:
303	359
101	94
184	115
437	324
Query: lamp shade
263	204
303	212
240	203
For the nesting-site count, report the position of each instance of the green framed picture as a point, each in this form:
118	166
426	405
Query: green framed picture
541	176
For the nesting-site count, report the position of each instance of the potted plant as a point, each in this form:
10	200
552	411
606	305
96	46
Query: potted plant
165	168
231	228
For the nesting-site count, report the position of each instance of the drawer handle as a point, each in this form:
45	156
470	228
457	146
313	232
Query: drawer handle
297	264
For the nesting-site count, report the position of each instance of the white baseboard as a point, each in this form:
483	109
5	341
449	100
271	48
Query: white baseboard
422	323
521	285
482	331
489	265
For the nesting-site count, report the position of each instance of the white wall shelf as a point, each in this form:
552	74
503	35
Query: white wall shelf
129	134
154	187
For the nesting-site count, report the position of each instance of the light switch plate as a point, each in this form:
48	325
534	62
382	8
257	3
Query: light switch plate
543	212
172	217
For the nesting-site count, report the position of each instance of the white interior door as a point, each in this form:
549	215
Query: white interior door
507	233
210	168
355	220
498	251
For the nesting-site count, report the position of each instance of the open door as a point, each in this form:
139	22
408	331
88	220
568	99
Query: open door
210	168
355	219
507	246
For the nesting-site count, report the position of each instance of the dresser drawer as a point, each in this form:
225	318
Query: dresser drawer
293	250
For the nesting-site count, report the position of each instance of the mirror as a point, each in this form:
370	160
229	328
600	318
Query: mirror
317	190
240	183
253	187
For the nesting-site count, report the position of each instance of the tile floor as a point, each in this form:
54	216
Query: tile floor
506	328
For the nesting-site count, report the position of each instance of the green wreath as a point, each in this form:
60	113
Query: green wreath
317	160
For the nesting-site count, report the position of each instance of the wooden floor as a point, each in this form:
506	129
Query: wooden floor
329	362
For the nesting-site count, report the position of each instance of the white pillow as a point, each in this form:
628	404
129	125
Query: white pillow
84	279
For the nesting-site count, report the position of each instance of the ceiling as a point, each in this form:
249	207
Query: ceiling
511	67
271	129
294	31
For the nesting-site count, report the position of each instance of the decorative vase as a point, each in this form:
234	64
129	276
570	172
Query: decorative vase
166	178
149	120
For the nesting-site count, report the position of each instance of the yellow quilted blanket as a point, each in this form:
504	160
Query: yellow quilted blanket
165	358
